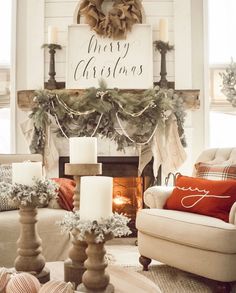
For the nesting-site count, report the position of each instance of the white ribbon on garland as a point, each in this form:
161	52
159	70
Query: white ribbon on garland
127	135
59	125
150	104
71	111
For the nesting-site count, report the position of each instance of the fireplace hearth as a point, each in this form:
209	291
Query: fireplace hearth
128	186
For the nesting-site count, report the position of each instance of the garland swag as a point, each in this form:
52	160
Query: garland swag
126	118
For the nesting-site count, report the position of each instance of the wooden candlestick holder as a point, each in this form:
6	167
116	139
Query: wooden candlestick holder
95	279
52	84
163	48
29	250
74	265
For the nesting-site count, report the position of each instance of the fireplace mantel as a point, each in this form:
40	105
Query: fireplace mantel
25	97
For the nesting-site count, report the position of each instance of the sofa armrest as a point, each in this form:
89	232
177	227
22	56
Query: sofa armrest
156	196
232	214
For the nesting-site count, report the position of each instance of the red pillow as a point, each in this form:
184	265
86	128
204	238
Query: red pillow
65	192
212	198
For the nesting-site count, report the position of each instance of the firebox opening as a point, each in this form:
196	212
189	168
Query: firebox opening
128	198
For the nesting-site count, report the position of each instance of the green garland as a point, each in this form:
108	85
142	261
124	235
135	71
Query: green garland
101	111
229	83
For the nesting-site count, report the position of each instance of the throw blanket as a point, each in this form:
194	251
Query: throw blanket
65	192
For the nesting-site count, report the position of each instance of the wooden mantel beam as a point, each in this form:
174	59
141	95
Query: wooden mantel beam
25	97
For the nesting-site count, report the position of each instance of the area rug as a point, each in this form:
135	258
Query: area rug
171	280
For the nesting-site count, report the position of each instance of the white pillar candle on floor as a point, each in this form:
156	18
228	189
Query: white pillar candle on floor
52	34
83	150
163	30
23	173
95	197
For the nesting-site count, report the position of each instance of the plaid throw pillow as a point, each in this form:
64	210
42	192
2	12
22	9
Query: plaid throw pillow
5	203
6	173
216	172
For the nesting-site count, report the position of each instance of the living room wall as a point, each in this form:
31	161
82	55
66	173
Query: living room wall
185	32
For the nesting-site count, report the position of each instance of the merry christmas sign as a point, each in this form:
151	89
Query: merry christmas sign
124	64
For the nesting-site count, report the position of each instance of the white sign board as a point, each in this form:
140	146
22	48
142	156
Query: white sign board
125	64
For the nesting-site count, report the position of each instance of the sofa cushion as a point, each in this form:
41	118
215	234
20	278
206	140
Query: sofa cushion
189	229
216	171
65	192
202	196
55	244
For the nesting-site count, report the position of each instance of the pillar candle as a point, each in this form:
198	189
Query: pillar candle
95	197
52	35
24	173
83	150
163	30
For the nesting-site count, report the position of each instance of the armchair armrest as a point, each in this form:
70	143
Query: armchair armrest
232	214
156	196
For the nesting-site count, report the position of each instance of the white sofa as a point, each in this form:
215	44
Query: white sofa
195	243
55	245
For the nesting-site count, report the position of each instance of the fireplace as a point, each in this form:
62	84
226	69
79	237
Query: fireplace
128	186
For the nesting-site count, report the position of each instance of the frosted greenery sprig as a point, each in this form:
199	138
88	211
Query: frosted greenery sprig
38	194
115	225
229	83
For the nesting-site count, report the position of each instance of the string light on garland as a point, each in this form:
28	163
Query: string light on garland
126	118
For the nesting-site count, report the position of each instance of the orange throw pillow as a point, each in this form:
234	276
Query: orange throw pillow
212	198
65	192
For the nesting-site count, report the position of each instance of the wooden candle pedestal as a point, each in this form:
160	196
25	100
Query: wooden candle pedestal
95	279
29	250
74	265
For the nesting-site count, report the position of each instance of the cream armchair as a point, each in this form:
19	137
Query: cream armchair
198	244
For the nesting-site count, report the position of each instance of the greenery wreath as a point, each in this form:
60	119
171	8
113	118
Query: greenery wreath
229	83
115	225
124	117
39	194
117	22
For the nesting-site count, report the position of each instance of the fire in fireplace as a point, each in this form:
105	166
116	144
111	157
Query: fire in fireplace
128	187
128	197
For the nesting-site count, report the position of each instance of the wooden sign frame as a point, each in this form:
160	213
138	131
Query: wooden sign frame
120	63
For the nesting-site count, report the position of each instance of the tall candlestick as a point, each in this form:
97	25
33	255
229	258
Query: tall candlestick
163	30
24	173
52	35
96	197
83	150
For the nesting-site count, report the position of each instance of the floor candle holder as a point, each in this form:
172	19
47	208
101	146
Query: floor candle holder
95	234
95	278
74	265
30	258
28	197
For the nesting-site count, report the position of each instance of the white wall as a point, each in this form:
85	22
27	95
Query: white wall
184	64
